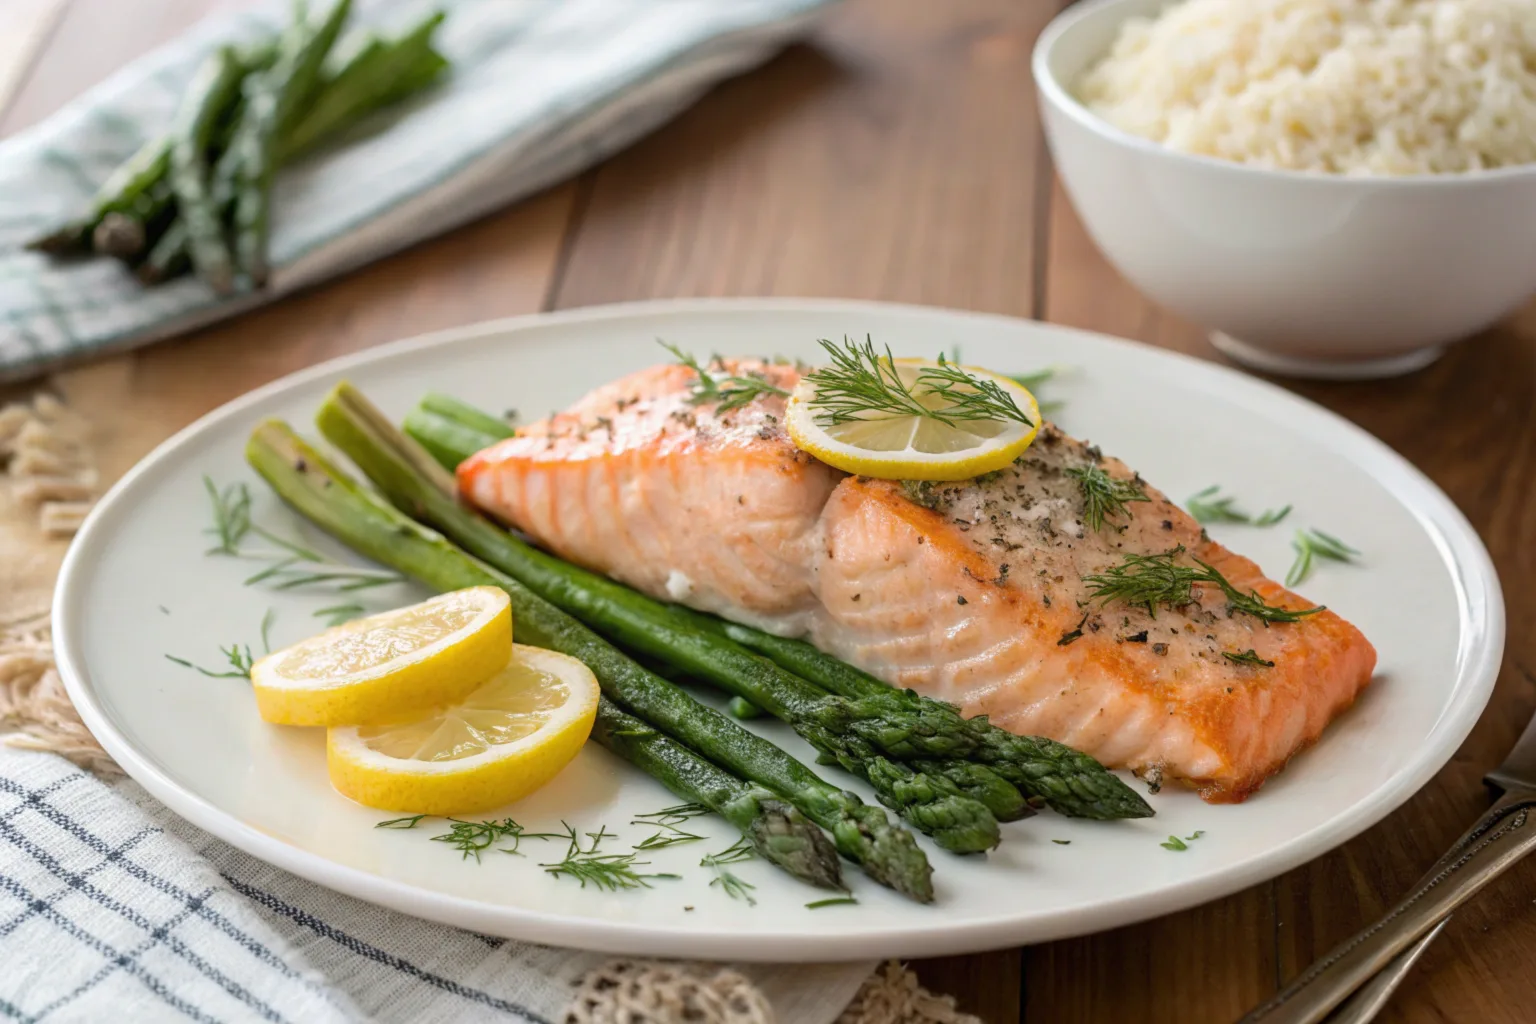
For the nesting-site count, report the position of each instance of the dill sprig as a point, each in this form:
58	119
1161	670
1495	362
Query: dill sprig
731	884
238	657
293	564
472	838
674	815
1313	544
608	871
1104	495
1209	506
860	381
409	821
1248	657
1148	581
728	391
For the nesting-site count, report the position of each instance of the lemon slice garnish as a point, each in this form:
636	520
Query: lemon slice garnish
380	667
912	447
503	741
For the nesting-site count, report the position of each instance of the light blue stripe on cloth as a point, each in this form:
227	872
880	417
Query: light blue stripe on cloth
539	90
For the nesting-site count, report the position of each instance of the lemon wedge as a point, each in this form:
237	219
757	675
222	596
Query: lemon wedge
386	665
500	743
908	446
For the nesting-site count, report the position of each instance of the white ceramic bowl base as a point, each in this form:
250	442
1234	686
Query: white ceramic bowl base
1313	275
138	585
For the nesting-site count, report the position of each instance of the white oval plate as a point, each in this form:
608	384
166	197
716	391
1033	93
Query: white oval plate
137	586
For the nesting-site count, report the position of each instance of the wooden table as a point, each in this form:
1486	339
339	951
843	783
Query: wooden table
897	155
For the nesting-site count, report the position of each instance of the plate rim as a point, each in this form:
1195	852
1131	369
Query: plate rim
1479	590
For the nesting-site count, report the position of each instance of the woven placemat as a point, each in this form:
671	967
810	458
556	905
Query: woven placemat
50	456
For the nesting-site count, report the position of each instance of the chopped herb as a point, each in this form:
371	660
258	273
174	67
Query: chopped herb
1248	657
736	853
608	871
835	901
472	838
1207	507
409	822
1311	544
669	816
1197	835
860	381
1174	843
337	614
1148	581
239	659
1069	637
1062	842
1104	496
729	392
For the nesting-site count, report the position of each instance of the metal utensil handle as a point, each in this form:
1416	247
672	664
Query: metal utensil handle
1371	998
1499	839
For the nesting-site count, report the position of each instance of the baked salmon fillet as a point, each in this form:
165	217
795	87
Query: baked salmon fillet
987	593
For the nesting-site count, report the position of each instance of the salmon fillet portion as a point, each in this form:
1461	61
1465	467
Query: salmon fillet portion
636	481
974	592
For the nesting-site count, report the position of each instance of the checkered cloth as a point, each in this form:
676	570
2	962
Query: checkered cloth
114	909
539	90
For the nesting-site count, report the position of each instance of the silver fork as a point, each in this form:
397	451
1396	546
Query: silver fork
1376	958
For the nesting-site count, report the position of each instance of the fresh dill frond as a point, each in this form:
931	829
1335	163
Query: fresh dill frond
1210	506
664	839
739	851
835	901
337	614
238	656
410	821
1150	581
1104	496
608	871
294	564
266	630
860	381
674	815
472	838
732	885
729	391
1313	544
1248	657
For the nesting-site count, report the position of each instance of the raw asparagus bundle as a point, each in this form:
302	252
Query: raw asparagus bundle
365	522
198	198
1067	780
410	478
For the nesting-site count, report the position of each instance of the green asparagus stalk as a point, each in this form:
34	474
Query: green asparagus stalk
335	502
779	832
455	411
212	92
743	709
448	442
414	482
1067	780
130	181
274	102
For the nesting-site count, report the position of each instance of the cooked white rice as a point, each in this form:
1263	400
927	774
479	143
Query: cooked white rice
1384	87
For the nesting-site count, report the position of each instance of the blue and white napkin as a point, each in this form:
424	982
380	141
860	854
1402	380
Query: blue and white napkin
114	909
539	90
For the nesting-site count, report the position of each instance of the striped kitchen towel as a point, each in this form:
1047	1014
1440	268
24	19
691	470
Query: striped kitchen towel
538	90
114	909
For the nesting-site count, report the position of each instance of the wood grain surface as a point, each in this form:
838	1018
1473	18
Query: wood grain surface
896	154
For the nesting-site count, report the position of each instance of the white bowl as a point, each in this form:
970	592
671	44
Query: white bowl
1295	273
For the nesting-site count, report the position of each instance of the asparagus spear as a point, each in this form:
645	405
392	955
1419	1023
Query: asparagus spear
776	829
274	102
130	181
334	501
212	92
448	442
1069	781
414	482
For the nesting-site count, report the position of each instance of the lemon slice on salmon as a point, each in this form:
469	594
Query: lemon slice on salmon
378	668
500	743
911	419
